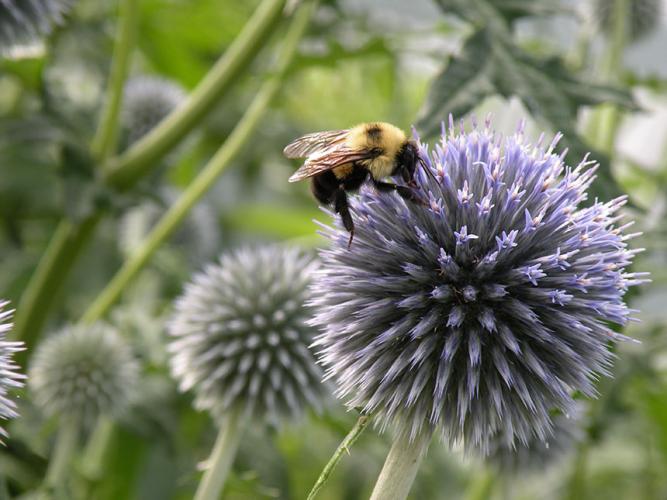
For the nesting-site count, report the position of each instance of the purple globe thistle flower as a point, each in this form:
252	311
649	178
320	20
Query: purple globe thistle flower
479	316
10	378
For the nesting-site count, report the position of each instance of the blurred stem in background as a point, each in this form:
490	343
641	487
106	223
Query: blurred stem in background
61	459
240	135
604	121
70	237
46	281
343	447
95	451
104	142
400	468
139	159
222	457
482	485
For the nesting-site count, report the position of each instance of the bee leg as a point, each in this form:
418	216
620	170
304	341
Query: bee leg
341	207
403	191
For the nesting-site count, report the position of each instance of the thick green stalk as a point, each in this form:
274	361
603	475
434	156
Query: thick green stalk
221	459
140	158
344	447
61	460
576	487
481	487
207	177
104	141
605	119
95	454
47	280
400	468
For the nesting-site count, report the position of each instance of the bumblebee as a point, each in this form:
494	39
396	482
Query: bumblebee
340	161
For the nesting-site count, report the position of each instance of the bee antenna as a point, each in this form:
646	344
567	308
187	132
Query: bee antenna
427	169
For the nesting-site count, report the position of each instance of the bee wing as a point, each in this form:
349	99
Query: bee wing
313	143
328	159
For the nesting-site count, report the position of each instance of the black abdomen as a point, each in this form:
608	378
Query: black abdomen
325	185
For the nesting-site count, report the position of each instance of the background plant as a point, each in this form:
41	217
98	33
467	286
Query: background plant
68	181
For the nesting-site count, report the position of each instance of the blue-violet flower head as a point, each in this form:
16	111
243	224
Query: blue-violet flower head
480	315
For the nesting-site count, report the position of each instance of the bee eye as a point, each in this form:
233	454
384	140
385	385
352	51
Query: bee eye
376	151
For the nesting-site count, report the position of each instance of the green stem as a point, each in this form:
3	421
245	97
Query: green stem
605	120
104	141
135	162
61	460
576	489
94	456
207	177
47	280
400	468
221	459
343	447
481	487
69	238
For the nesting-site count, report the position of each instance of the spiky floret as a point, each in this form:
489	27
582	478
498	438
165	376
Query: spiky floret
82	372
480	315
10	378
146	101
24	22
240	338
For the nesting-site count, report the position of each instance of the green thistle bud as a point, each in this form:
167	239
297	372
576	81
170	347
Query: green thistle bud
240	338
146	101
82	372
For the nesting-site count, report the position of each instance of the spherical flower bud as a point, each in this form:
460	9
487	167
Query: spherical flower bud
146	101
641	17
25	22
240	341
82	372
479	315
10	378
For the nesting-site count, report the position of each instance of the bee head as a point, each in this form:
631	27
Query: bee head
407	160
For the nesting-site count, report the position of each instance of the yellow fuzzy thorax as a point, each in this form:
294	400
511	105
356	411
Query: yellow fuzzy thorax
378	135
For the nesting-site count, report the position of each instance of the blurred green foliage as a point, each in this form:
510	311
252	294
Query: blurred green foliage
542	61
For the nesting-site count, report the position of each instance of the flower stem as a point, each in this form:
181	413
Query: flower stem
576	488
482	486
134	163
98	445
105	138
400	468
222	456
45	283
66	442
605	119
343	447
69	237
210	173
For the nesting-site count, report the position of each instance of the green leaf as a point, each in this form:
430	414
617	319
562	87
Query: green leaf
491	63
460	86
510	10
